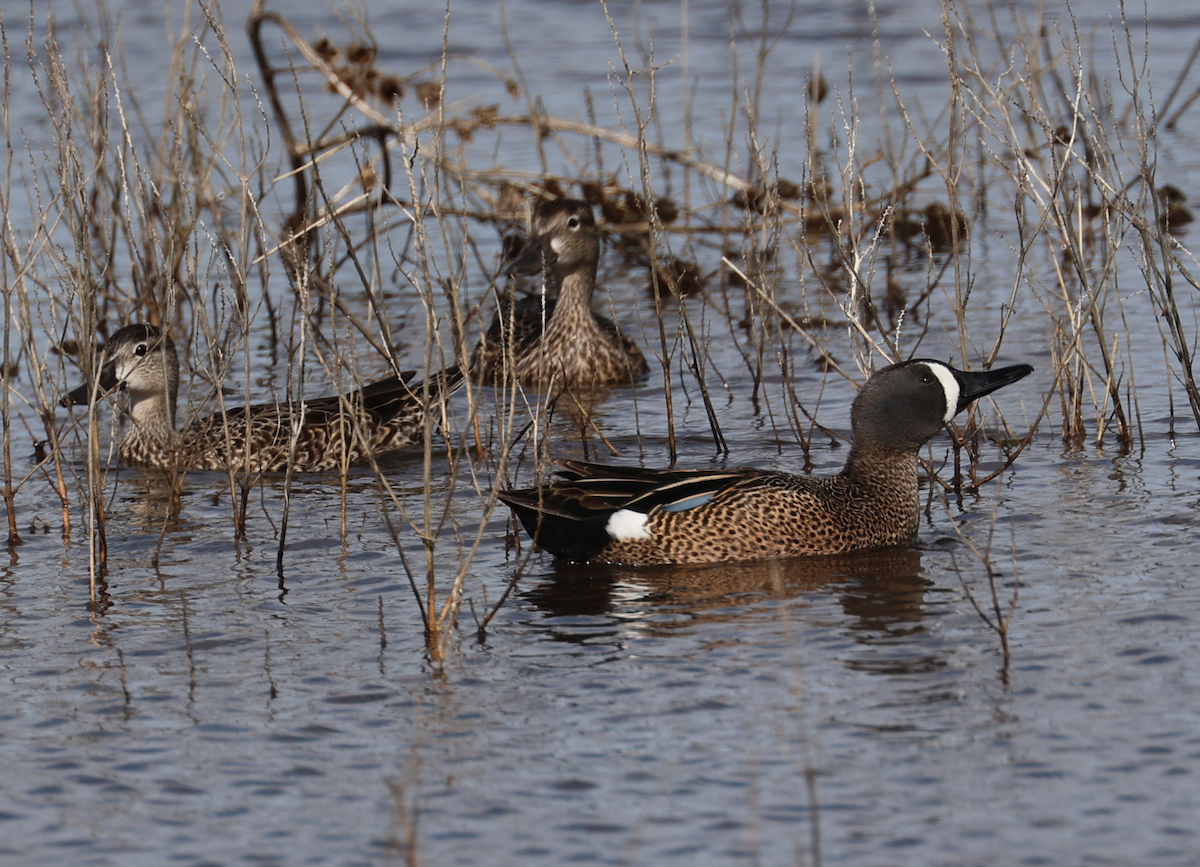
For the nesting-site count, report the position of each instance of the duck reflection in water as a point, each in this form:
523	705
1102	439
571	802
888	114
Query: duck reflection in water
882	589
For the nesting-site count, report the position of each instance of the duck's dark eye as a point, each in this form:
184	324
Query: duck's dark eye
573	223
926	378
140	350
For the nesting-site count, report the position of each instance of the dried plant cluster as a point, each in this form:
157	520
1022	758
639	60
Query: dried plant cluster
380	242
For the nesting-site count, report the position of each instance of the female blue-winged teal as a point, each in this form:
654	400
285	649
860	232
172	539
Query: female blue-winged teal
633	516
380	417
547	343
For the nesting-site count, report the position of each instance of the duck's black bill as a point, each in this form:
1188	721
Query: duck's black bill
533	260
82	395
978	383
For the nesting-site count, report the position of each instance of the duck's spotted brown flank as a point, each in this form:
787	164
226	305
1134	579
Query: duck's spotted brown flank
333	431
700	516
550	343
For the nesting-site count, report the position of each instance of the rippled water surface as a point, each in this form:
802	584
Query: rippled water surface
852	710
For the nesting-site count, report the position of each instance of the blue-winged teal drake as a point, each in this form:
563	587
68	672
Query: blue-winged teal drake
553	343
633	516
141	360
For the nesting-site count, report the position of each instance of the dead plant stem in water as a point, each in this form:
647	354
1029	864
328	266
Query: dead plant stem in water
995	613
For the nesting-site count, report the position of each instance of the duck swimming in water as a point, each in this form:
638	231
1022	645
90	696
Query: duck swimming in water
141	361
549	343
632	516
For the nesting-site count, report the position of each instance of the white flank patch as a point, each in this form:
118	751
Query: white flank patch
626	525
949	385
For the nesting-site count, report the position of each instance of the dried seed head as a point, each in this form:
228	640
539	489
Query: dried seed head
360	54
325	48
430	93
389	89
817	88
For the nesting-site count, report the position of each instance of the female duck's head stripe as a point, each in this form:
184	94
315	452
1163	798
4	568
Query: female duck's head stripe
949	385
626	525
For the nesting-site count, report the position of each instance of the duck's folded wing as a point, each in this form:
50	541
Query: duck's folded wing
642	490
570	517
384	398
396	396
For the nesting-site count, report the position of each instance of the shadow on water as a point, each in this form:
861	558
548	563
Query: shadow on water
882	591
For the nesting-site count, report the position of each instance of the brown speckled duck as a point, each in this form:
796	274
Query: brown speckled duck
141	360
632	516
552	343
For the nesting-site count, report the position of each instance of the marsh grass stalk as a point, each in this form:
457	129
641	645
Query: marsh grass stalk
996	613
8	368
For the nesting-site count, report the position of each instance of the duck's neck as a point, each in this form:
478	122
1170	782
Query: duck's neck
881	470
152	435
573	309
578	287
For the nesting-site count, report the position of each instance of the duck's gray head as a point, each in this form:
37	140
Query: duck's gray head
139	359
905	404
563	239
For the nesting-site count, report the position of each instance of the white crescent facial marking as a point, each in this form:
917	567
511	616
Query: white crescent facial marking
626	525
556	245
949	385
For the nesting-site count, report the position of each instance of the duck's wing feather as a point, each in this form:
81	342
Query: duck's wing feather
642	490
383	399
569	517
388	412
518	324
399	395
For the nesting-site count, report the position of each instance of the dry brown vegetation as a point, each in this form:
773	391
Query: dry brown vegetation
377	246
